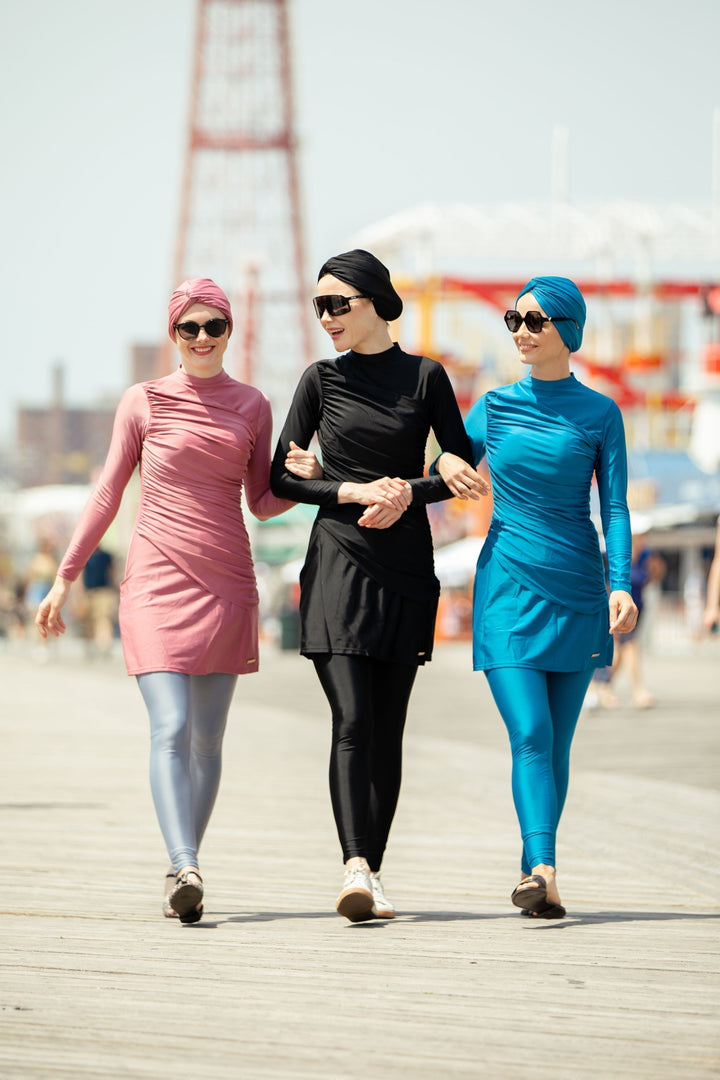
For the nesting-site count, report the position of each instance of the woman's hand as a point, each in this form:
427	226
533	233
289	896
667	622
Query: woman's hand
395	493
49	613
464	481
379	517
623	613
303	463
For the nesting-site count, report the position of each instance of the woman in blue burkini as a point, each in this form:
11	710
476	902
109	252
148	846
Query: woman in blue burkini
542	618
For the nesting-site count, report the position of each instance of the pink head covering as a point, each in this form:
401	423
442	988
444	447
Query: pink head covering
199	290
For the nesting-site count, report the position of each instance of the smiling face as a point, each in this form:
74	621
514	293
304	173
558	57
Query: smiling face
361	329
546	351
203	356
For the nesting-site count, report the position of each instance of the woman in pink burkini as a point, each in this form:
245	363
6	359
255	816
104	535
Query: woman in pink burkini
188	603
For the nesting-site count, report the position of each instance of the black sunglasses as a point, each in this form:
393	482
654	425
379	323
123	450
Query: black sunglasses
190	330
335	304
533	320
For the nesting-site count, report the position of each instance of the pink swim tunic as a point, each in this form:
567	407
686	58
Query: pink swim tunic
188	601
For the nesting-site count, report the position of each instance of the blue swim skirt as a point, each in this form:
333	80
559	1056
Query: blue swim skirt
516	627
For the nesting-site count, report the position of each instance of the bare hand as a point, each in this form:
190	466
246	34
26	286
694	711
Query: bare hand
303	463
49	613
464	481
379	517
395	493
623	613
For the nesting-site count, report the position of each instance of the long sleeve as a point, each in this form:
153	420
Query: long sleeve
611	473
356	454
300	426
372	414
102	506
476	427
447	425
544	440
261	500
476	431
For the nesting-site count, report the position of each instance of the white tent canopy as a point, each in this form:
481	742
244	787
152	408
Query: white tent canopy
648	236
455	563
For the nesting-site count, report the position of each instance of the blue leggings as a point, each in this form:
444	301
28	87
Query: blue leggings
188	714
540	710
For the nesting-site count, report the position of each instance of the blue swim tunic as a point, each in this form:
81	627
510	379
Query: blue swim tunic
540	595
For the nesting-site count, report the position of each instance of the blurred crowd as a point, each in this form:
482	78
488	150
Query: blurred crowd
93	612
691	607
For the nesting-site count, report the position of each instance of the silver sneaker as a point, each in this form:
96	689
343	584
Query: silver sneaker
355	901
384	909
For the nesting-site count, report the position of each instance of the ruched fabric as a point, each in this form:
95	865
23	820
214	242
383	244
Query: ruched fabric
370	592
540	593
188	602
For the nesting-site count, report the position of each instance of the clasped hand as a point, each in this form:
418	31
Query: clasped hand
386	499
303	463
464	481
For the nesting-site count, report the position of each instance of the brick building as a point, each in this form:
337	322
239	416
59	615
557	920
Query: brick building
56	444
60	445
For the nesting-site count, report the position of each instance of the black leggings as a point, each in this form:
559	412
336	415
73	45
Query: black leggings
369	701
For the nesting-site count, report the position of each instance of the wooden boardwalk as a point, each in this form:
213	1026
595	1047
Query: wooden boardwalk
272	984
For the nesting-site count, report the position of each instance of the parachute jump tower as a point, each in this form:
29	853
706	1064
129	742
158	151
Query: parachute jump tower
239	218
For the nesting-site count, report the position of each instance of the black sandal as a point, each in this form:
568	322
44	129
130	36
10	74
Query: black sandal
192	916
547	910
531	893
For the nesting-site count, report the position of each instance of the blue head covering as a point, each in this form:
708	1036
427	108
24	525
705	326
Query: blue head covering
559	296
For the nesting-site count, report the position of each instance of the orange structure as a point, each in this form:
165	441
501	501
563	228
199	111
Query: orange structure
617	376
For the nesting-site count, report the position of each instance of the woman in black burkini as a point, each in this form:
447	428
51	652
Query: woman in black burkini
368	587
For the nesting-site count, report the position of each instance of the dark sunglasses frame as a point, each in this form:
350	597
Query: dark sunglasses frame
335	304
533	320
188	331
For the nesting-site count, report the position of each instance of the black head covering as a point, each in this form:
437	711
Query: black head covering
364	272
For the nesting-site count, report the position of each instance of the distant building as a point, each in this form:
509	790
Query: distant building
145	363
60	445
56	444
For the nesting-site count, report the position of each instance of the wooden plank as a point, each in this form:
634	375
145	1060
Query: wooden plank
272	984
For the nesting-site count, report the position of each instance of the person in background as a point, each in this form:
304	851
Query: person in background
543	620
38	578
646	567
711	614
369	593
40	572
100	600
188	602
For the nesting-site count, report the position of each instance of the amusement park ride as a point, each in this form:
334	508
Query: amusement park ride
240	222
620	376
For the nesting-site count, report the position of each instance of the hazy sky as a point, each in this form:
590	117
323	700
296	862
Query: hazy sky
399	102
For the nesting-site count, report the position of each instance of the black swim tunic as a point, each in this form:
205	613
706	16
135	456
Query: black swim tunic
370	592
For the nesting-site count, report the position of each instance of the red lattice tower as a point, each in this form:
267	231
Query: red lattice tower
240	221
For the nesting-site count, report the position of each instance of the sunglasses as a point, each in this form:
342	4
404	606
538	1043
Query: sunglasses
533	320
190	330
335	304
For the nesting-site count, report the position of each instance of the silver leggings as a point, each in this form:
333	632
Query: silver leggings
188	714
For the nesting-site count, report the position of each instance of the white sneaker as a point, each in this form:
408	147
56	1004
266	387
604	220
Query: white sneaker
384	909
355	901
